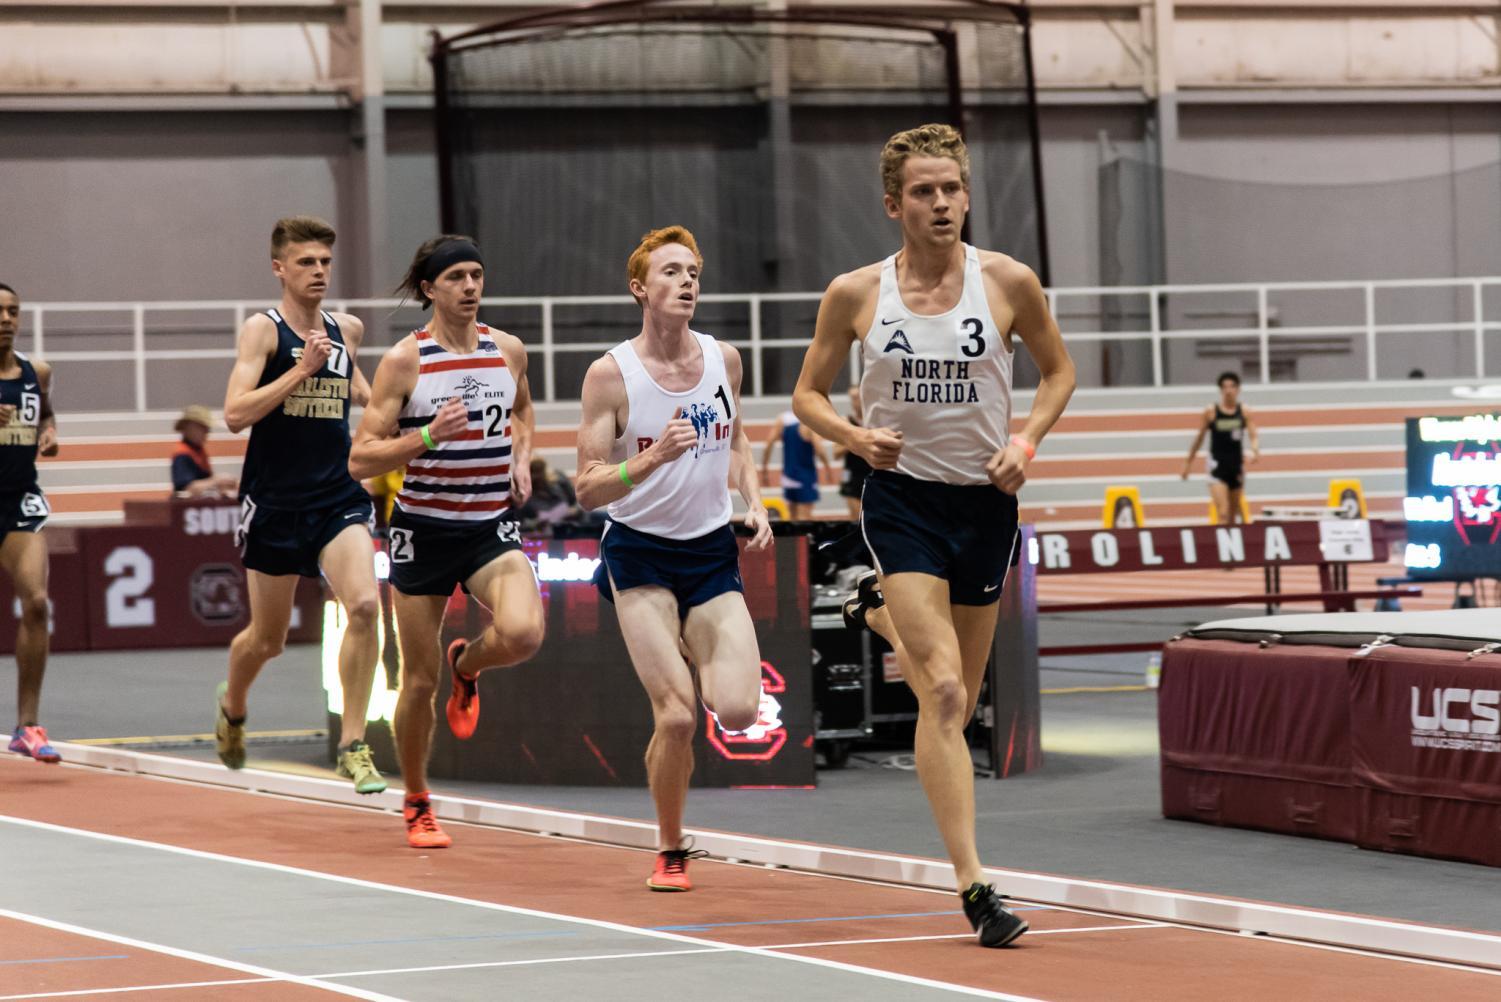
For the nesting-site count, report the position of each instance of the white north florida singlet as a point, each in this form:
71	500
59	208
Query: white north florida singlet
690	496
467	479
943	381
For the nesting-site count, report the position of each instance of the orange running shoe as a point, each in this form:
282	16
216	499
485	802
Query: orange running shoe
462	709
671	870
422	828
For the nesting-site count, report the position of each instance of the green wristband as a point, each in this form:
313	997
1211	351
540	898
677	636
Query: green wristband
427	437
625	476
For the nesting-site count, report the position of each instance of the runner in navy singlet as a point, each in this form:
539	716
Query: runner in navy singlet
27	428
451	405
301	513
1228	424
936	324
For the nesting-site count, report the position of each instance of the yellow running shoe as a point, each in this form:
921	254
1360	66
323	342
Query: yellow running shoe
356	763
229	738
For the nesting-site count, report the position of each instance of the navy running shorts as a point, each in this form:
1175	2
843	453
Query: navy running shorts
802	494
694	570
279	541
965	534
432	556
23	511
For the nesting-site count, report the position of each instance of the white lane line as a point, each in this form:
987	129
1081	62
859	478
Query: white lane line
202	958
960	935
920	888
523	963
1332	948
495	906
141	988
1101	928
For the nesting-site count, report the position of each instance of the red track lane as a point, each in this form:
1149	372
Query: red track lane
32	960
1163	964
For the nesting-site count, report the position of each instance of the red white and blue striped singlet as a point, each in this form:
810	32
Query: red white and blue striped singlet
467	479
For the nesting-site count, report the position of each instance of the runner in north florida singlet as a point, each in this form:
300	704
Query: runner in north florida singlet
933	324
944	383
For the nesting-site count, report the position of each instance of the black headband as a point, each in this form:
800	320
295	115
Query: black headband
449	254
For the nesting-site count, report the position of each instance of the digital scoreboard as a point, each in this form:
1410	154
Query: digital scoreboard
1453	504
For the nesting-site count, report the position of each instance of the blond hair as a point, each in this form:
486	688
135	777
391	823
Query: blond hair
300	230
932	140
636	265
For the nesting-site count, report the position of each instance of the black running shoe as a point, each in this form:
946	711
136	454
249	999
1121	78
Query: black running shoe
867	597
868	588
993	922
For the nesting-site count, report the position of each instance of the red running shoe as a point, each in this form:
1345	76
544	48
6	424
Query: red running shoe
423	831
462	709
671	870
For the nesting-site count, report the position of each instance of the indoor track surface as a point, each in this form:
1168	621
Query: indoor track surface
142	887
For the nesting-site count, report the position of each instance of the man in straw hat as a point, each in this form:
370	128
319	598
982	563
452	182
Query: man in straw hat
192	473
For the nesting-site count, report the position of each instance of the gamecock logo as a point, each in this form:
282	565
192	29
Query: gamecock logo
217	594
761	741
1477	510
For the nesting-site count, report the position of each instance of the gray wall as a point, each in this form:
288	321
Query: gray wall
178	205
1328	193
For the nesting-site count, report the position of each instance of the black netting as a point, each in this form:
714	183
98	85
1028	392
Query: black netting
567	143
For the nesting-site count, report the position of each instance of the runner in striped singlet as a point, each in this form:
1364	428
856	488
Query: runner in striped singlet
450	404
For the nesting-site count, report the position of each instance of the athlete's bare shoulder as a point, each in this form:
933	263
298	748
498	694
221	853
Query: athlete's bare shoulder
511	346
730	352
603	379
732	364
855	287
1006	271
404	356
352	327
258	333
850	302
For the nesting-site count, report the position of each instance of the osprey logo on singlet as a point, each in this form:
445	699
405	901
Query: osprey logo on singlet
899	342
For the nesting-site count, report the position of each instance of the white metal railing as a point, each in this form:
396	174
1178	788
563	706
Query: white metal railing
144	323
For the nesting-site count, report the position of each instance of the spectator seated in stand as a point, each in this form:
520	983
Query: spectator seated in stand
553	500
192	473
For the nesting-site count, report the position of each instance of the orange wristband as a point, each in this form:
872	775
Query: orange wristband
1024	446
